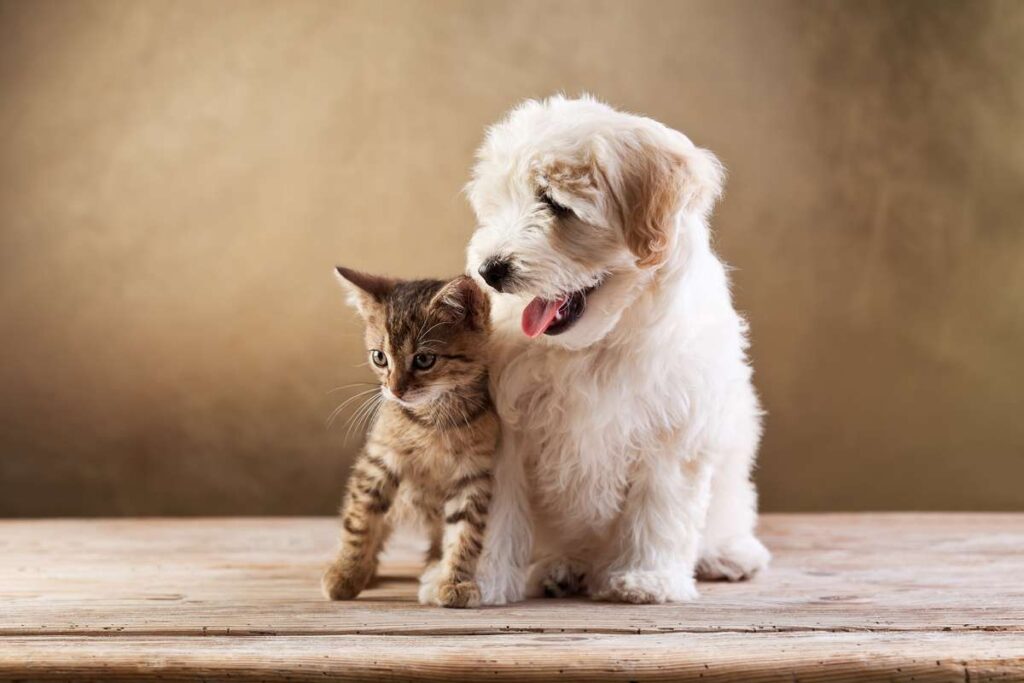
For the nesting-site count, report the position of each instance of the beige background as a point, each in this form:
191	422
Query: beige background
178	178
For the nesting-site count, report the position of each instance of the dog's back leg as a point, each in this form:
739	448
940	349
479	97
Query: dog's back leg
557	576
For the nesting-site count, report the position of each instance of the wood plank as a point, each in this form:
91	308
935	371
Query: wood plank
663	657
160	577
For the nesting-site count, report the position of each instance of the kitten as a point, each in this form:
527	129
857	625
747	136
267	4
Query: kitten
430	449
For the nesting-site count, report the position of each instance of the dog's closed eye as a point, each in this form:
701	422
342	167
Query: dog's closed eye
559	210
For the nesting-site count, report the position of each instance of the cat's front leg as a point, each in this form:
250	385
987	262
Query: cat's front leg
452	583
368	498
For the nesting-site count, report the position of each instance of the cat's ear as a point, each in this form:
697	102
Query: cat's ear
463	300
365	292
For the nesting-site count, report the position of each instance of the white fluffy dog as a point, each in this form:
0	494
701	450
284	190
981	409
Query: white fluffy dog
630	421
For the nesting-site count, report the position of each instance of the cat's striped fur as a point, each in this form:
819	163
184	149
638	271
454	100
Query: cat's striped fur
430	449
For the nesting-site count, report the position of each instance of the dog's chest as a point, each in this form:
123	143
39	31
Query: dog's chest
577	429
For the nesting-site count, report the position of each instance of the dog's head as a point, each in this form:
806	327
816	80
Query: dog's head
578	205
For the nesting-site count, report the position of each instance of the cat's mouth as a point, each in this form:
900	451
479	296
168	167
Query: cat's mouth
415	399
555	316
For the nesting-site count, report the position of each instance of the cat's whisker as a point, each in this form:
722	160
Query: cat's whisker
334	413
371	415
423	333
348	386
344	403
368	406
350	422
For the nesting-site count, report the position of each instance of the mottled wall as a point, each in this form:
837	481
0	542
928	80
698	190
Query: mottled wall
178	178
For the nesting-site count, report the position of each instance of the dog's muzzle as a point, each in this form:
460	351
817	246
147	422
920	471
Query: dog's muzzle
497	273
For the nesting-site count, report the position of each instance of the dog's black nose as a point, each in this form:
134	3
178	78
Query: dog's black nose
496	272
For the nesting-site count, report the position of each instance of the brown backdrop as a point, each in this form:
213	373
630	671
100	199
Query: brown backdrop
178	179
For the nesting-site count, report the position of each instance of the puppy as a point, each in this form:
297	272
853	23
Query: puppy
620	373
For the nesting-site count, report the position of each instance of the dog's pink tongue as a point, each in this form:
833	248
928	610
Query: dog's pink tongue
539	314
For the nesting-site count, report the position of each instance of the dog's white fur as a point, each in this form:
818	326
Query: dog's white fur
629	439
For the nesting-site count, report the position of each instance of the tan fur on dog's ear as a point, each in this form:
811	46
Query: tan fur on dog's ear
660	178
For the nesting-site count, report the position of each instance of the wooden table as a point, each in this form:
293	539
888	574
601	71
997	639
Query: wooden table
849	597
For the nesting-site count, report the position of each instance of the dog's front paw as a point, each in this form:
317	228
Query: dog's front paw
557	577
344	581
502	586
644	587
458	594
736	559
430	581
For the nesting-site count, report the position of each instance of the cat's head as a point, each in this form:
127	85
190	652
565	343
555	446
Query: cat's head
425	337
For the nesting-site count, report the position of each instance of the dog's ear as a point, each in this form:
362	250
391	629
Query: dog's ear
365	292
662	174
462	300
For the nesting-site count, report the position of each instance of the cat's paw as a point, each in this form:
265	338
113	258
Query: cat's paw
343	581
736	559
557	577
438	589
645	587
458	594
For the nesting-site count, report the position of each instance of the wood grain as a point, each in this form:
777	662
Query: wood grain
665	657
848	597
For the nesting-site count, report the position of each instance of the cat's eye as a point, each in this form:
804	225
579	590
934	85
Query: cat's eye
559	210
424	361
378	358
